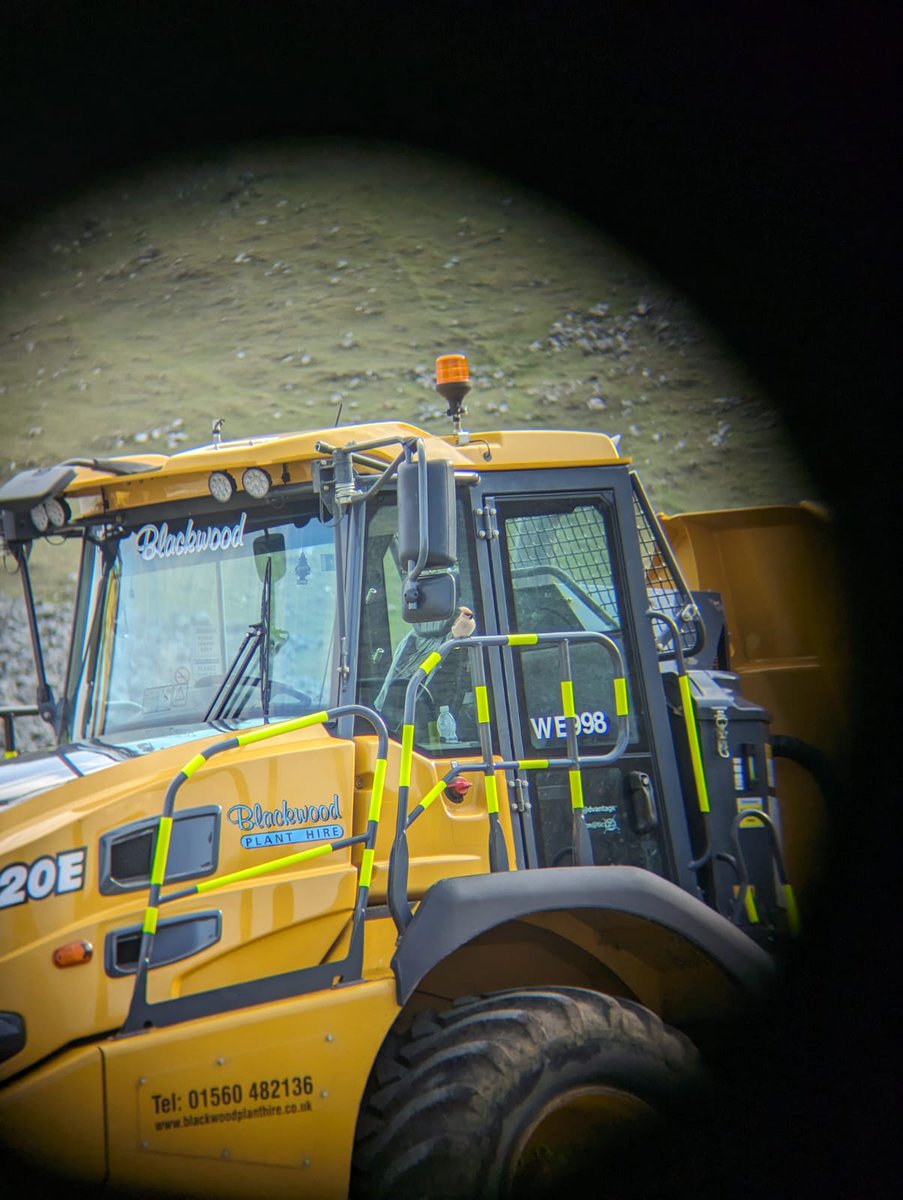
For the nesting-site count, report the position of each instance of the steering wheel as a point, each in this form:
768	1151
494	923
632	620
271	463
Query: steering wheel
278	687
127	705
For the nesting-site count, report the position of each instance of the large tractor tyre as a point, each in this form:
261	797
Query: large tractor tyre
518	1093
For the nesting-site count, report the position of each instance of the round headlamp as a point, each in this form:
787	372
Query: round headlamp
222	486
58	512
39	518
256	482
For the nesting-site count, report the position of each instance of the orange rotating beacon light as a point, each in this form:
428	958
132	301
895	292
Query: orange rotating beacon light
453	384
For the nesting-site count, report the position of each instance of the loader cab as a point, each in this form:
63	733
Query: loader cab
543	551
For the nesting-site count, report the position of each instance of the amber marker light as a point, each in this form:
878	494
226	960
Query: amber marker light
73	954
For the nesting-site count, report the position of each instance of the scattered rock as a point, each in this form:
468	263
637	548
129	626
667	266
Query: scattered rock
718	437
17	674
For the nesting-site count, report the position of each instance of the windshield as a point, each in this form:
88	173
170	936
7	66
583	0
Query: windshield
228	617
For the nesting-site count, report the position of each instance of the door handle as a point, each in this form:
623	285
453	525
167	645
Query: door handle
643	809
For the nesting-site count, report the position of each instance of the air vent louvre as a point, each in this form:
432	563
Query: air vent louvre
176	938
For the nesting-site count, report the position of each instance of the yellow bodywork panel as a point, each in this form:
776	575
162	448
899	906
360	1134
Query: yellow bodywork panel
294	914
777	571
54	1117
289	456
448	839
263	1101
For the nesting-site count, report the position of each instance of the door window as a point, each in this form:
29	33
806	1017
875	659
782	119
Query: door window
559	562
560	556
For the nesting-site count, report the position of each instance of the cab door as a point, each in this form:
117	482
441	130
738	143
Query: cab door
558	552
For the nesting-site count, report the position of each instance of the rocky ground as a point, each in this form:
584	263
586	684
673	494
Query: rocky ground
17	672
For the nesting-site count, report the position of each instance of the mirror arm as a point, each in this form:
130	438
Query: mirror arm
411	590
343	458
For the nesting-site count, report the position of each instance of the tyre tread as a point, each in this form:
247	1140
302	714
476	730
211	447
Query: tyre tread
433	1099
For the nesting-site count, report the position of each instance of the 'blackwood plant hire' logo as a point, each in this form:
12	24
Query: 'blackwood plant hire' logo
276	823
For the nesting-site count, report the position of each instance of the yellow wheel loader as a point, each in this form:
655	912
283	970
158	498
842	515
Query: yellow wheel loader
416	801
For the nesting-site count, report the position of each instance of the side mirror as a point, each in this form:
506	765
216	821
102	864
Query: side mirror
427	539
439	536
269	545
436	598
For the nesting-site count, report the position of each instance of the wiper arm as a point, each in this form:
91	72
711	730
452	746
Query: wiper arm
257	637
234	675
266	638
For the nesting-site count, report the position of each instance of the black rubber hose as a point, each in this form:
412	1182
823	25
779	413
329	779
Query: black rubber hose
811	760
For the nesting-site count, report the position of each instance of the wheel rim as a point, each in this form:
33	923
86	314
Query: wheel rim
572	1132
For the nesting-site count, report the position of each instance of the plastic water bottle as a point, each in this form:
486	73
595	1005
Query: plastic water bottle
446	725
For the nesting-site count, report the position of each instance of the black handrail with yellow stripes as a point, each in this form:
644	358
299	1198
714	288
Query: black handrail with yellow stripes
399	905
746	900
298	980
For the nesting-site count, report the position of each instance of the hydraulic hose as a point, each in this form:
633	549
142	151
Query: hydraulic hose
811	760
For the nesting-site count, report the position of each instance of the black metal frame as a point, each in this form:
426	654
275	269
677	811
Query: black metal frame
640	643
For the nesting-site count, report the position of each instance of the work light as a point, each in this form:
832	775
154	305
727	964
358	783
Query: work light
222	486
256	482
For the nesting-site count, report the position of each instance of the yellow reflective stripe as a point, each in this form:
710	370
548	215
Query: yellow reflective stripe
376	800
576	788
622	701
435	791
150	920
482	694
431	662
367	868
268	731
567	697
523	639
793	912
195	765
533	764
407	752
161	853
749	901
10	753
750	806
492	796
702	790
208	885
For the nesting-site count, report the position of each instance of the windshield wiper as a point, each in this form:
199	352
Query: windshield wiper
258	638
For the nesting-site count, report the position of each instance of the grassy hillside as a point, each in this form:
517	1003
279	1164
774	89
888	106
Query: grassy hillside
270	285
